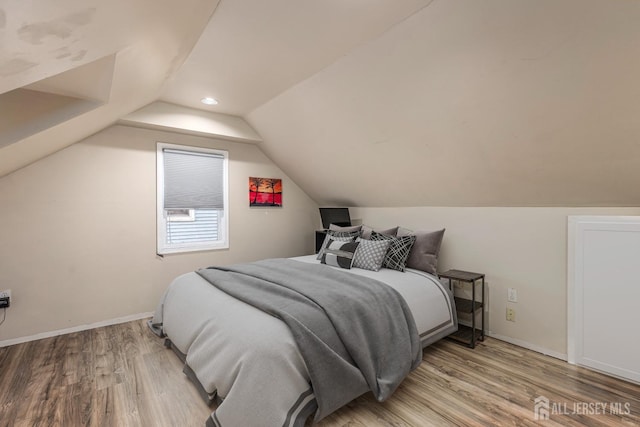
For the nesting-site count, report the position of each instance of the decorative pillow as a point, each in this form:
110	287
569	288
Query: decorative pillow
349	229
396	257
366	232
339	254
424	253
342	236
370	254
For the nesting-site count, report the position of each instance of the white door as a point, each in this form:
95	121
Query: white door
604	294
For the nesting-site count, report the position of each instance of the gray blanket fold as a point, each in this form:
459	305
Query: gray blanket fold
354	333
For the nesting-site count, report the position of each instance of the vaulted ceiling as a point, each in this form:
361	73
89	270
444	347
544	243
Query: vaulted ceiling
361	102
69	68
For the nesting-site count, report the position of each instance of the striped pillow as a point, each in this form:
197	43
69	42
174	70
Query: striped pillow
339	254
399	248
342	236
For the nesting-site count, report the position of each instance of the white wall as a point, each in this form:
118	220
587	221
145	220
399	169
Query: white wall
79	230
79	237
523	248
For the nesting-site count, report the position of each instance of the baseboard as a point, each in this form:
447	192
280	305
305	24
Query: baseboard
100	324
529	346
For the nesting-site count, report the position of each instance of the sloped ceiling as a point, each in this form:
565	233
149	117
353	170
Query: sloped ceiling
367	102
68	48
472	103
252	50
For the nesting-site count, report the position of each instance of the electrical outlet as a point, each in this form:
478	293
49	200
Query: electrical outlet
5	298
511	314
512	295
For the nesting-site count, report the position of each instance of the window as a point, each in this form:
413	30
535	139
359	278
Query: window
192	199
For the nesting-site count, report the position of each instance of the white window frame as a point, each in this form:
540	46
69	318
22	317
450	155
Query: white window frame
161	219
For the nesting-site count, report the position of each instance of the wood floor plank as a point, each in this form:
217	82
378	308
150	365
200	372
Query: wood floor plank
123	376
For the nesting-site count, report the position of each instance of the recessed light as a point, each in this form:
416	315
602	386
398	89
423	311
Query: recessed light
209	101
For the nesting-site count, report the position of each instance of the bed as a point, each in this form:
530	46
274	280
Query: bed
248	361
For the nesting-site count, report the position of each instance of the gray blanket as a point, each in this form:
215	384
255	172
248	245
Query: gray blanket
354	333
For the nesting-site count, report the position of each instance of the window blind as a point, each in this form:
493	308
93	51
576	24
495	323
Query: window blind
193	180
204	228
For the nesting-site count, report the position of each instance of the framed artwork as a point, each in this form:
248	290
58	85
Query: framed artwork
265	191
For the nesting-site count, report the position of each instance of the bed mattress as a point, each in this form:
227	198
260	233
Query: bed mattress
248	360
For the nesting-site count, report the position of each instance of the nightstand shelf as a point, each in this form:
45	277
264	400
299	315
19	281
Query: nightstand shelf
466	306
467	334
464	335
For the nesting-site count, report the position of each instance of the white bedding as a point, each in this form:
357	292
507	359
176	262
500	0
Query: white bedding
431	306
243	354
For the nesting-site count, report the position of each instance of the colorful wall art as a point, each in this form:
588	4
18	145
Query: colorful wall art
265	192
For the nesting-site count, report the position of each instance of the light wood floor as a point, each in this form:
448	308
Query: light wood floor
123	376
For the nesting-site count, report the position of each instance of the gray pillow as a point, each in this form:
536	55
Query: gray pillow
341	236
366	232
370	254
349	229
425	250
339	254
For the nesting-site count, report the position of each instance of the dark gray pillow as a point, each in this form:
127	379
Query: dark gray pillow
425	250
339	254
366	232
399	248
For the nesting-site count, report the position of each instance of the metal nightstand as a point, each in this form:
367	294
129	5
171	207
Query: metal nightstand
466	334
